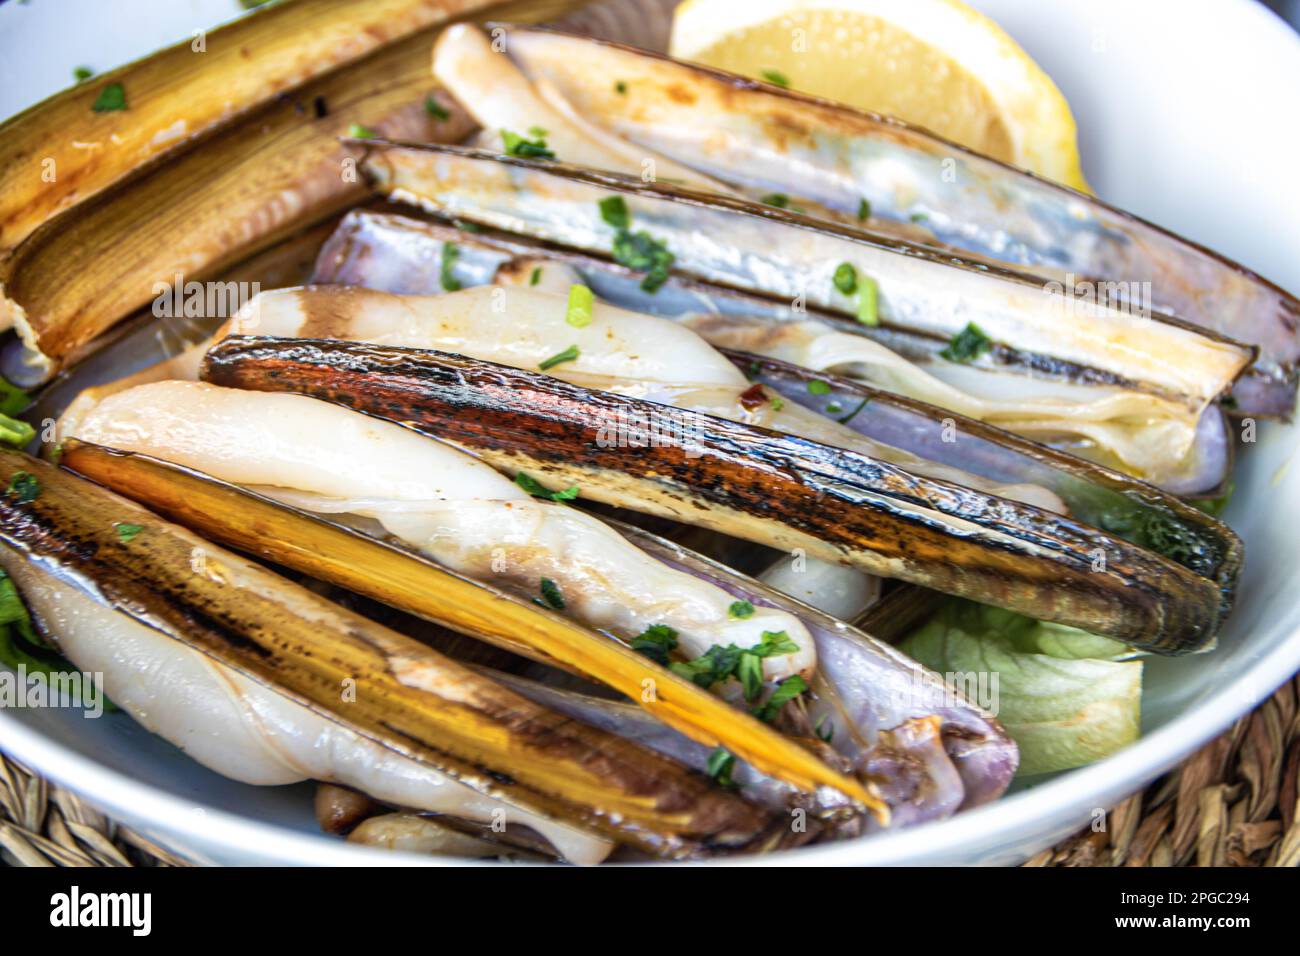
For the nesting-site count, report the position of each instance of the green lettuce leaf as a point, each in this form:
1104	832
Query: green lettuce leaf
1065	696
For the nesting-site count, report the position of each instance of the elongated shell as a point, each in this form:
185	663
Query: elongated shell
401	579
778	140
751	483
409	698
788	256
180	93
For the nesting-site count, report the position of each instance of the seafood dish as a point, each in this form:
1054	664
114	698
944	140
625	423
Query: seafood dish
616	459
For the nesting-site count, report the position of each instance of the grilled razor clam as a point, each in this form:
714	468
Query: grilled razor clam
109	598
637	355
785	255
753	483
384	251
501	100
435	498
242	729
777	140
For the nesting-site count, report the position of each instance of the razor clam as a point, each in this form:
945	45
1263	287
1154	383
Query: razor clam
399	254
771	139
243	64
435	499
752	483
786	256
361	250
244	641
402	579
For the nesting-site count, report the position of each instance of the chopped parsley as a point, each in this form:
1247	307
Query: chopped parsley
642	252
450	253
581	302
779	200
535	276
539	490
357	131
436	109
111	99
776	77
720	766
620	88
786	691
846	278
517	145
568	355
15	431
613	209
551	596
818	387
24	487
868	301
82	73
777	403
967	345
12	398
864	210
719	663
740	610
465	225
918	217
126	532
656	642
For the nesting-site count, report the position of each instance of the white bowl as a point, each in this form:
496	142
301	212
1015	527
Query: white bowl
1185	115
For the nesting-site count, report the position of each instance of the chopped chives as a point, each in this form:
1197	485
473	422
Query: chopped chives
581	302
868	301
568	355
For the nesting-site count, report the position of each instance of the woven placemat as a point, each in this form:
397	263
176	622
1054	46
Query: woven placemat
1235	802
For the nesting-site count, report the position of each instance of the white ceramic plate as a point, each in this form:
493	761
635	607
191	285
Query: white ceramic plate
1187	115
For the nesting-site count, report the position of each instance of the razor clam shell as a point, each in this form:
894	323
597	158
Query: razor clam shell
411	699
753	483
788	256
772	139
366	243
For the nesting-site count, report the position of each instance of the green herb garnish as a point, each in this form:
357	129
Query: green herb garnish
517	145
535	276
740	610
918	217
776	77
779	200
827	735
967	345
620	88
720	766
656	642
111	99
539	490
613	209
845	278
786	691
15	431
581	302
864	210
436	109
357	131
13	400
450	253
568	355
82	73
868	301
24	487
642	252
776	402
551	596
818	387
126	532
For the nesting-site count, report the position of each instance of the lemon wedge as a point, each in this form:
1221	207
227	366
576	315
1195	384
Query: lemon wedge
935	63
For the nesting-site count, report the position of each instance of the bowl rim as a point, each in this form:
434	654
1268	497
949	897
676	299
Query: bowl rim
175	821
